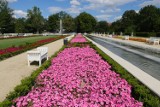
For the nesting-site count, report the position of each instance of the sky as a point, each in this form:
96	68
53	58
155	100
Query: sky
107	10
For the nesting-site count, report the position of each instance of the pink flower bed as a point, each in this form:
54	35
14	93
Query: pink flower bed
78	39
78	77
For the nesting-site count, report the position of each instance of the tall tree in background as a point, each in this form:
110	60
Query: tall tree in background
116	26
102	27
6	19
20	25
149	19
35	20
85	22
68	24
53	24
54	20
129	20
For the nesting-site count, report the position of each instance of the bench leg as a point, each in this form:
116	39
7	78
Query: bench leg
39	62
28	63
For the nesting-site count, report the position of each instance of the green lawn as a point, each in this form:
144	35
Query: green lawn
21	41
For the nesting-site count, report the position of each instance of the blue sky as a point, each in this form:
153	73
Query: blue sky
109	10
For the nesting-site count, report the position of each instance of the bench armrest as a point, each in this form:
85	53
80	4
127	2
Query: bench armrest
33	52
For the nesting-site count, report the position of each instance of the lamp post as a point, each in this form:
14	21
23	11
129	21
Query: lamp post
61	27
60	23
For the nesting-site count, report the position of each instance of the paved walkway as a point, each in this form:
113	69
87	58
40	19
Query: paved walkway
14	69
152	83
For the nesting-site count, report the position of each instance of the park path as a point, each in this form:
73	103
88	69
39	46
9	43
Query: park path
14	69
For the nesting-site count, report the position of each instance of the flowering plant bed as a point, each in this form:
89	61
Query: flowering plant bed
78	39
138	39
11	51
80	77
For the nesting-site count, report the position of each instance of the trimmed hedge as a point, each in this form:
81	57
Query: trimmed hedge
158	34
27	83
127	33
145	34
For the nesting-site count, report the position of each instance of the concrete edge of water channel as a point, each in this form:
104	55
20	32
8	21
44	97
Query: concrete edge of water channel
129	43
152	83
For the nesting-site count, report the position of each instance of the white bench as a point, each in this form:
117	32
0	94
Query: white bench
153	40
126	37
37	55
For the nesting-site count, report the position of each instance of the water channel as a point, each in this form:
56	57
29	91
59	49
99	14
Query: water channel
147	61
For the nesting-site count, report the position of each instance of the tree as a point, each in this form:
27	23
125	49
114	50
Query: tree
129	19
20	25
149	19
35	20
6	19
85	22
69	24
53	24
116	26
54	20
102	27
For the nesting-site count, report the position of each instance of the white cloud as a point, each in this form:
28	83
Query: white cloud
103	17
55	9
11	1
106	8
19	13
151	2
110	3
110	10
74	10
137	11
117	17
75	2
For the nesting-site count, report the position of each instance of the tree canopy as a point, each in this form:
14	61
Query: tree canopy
85	22
6	19
129	19
102	27
149	19
35	20
146	20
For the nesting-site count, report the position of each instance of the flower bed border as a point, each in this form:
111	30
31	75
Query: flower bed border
139	91
5	56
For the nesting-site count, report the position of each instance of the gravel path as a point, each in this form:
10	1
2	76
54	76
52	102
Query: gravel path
14	69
